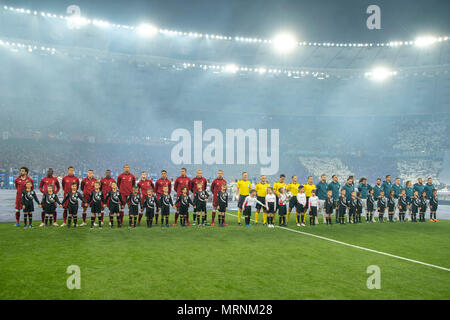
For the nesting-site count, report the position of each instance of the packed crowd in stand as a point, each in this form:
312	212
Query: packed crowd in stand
350	203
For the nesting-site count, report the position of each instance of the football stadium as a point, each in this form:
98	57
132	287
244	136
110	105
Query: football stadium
224	150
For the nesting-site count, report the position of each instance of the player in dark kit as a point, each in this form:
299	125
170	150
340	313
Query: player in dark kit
115	204
329	207
359	207
150	206
134	201
125	181
415	205
183	181
45	182
87	186
391	205
165	202
106	183
216	187
49	201
342	207
182	204
28	195
423	207
20	184
67	187
144	184
159	185
200	198
97	201
433	206
402	205
381	205
198	179
352	203
72	205
222	204
370	206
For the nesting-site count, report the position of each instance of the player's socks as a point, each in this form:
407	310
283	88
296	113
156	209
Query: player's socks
65	216
46	220
302	218
30	219
213	217
92	221
176	217
135	221
121	218
75	220
239	216
50	220
17	216
167	220
288	216
203	219
43	216
284	220
25	216
118	220
256	216
279	220
264	218
130	220
140	218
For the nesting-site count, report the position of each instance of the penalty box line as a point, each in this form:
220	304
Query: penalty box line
359	247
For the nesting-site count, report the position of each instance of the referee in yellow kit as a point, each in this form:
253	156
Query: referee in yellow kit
293	190
243	190
261	192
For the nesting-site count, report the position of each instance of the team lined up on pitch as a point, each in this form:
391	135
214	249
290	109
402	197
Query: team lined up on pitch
282	199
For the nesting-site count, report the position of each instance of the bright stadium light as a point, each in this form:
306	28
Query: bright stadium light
146	30
284	43
76	22
380	74
231	68
425	41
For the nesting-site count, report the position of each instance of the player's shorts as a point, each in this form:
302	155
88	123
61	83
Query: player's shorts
184	210
73	209
293	203
247	211
96	208
222	208
150	213
133	210
271	207
262	200
18	203
282	210
113	208
313	211
433	207
50	209
381	211
29	207
241	201
200	207
342	211
300	208
165	210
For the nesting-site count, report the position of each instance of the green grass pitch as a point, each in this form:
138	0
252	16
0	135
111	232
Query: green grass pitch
234	262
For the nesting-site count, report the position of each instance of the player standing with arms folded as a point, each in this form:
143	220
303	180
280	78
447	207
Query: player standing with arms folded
20	184
43	185
87	186
216	187
66	184
144	184
125	181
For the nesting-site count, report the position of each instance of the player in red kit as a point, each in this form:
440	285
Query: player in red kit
159	185
20	184
216	186
67	187
49	180
144	184
87	186
194	183
125	181
183	181
106	183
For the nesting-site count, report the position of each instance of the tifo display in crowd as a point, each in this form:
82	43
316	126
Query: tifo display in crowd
348	203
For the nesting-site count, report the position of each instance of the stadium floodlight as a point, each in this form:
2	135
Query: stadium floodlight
380	74
231	68
76	22
146	30
284	43
425	41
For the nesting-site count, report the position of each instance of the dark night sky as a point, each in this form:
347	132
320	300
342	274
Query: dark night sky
320	20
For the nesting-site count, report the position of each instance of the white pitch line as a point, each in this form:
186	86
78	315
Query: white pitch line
359	247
